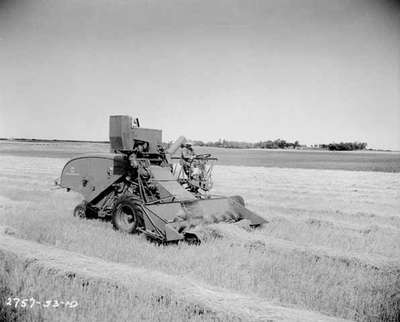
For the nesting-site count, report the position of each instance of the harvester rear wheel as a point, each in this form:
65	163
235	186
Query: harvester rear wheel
127	215
238	199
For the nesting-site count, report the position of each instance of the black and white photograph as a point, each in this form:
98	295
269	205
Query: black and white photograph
199	160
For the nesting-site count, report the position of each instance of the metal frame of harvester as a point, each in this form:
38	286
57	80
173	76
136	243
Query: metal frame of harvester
139	187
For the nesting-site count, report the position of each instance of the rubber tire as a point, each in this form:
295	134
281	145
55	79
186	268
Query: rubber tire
124	208
239	200
83	210
80	211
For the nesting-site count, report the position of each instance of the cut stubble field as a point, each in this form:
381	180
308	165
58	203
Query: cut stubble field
331	245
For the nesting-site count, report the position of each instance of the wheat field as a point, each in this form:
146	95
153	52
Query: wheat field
331	245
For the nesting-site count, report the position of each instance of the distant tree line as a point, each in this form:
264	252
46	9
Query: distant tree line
344	146
281	144
276	144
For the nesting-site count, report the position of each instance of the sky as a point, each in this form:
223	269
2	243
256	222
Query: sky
317	71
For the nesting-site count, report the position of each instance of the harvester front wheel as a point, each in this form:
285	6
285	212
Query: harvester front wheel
80	211
127	215
83	210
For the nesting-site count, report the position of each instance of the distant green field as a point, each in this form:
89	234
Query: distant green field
356	161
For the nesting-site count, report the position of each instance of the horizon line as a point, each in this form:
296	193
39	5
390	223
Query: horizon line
107	141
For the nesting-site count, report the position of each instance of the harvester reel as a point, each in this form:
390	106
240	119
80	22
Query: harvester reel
127	215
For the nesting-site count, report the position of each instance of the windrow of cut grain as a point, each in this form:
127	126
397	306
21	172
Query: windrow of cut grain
108	291
316	278
362	238
347	283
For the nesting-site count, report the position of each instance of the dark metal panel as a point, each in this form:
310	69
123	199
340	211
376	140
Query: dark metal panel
123	134
90	175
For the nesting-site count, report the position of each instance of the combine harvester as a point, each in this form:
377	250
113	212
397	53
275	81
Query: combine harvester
139	187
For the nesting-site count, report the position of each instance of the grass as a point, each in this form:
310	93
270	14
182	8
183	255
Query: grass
339	287
98	299
332	263
375	239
